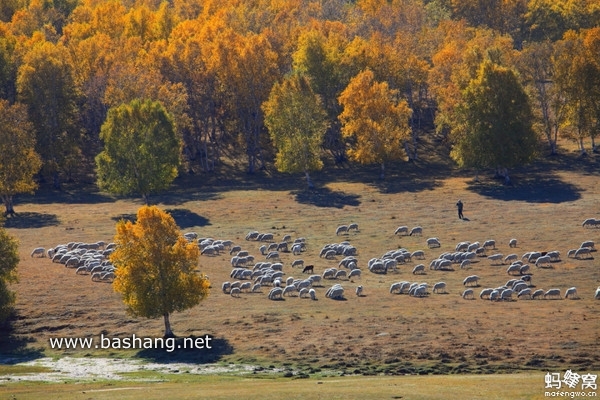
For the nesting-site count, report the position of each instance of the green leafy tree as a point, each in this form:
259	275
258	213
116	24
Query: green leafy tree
156	267
297	124
9	259
142	151
494	122
18	160
374	121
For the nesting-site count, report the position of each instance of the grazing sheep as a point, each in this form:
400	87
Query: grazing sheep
418	254
433	242
524	293
246	286
485	293
468	294
235	292
506	294
470	280
287	238
571	253
315	279
419	269
581	251
462	246
297	249
552	293
543	261
396	287
340	274
297	263
274	255
465	264
439	286
335	292
329	273
496	257
489	243
597	294
417	230
38	251
511	258
512	243
353	226
255	288
354	273
572	292
341	229
235	249
537	294
418	291
312	294
276	293
588	243
359	291
288	290
303	292
401	229
495	295
330	254
514	268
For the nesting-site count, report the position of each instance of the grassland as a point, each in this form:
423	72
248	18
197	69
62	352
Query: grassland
374	336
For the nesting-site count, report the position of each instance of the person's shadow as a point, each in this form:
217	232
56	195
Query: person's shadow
465	219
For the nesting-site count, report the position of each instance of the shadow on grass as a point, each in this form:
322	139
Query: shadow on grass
186	218
27	220
324	197
183	218
182	353
533	189
13	348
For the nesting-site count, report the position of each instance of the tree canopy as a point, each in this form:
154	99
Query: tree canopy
297	123
374	120
494	121
18	160
141	150
156	267
9	259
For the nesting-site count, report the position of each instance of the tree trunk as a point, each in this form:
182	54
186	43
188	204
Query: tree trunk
581	147
146	198
476	175
8	203
308	180
506	177
56	180
168	331
382	173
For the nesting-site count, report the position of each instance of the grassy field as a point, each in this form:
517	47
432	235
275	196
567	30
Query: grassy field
373	336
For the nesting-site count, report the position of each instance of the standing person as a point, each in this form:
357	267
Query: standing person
459	205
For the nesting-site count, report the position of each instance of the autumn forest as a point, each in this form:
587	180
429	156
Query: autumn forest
290	83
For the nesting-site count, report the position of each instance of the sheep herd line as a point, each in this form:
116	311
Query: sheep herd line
250	275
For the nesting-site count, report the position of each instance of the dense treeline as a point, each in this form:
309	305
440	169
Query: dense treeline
213	65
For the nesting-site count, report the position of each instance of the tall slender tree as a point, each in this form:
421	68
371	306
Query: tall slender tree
297	124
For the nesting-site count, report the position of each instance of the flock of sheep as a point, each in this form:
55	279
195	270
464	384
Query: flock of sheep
85	258
251	276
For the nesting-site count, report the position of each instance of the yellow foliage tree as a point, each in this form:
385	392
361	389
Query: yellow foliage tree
374	120
156	267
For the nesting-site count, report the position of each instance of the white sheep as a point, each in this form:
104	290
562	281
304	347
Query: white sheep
312	294
396	287
235	292
496	257
335	292
354	273
353	226
512	243
439	286
341	229
489	243
276	293
597	294
418	254
572	292
581	251
255	288
297	263
486	293
359	291
590	222
417	230
38	251
543	261
514	268
552	293
419	269
524	293
246	286
401	229
303	292
340	274
537	294
470	280
588	243
511	258
468	294
506	294
289	290
433	242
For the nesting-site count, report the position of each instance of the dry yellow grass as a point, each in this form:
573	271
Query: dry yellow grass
379	333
